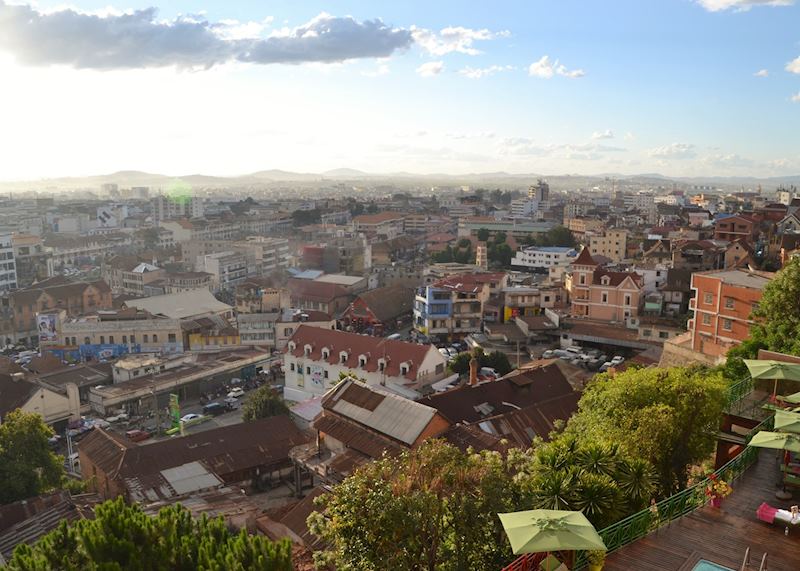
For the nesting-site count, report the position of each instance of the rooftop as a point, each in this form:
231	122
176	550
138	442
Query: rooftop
378	218
181	305
340	279
741	277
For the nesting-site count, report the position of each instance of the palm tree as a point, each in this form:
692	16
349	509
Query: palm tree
554	490
599	498
598	459
637	481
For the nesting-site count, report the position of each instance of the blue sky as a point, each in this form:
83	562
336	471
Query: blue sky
669	86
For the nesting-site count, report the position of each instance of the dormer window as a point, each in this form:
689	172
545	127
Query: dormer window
307	350
292	345
404	368
343	357
326	353
605	280
362	361
381	365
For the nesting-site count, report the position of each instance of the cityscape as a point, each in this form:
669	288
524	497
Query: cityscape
508	287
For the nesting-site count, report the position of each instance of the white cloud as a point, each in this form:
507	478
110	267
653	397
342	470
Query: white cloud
607	134
523	146
762	73
453	39
796	97
431	68
728	161
740	5
794	65
544	68
138	39
674	151
382	69
481	72
629	136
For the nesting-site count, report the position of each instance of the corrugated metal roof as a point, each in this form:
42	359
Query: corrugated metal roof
190	477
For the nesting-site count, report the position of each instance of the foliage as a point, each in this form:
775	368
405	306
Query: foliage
500	254
668	417
263	402
27	465
462	254
557	236
124	537
303	217
483	234
430	508
496	360
777	321
717	488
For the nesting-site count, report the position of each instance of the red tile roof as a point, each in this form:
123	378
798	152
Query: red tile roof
616	277
377	218
584	259
316	291
374	348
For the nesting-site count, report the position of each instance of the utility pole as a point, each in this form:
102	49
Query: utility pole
517	353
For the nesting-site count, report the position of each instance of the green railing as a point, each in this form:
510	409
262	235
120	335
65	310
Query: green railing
640	524
736	394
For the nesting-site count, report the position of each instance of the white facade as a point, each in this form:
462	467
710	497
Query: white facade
166	207
8	266
543	257
228	269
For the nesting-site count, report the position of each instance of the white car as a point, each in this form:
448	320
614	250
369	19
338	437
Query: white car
190	416
548	354
236	392
617	360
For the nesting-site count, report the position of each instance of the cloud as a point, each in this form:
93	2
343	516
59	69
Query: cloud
431	68
481	72
729	160
629	136
382	69
762	73
453	39
523	146
607	134
794	65
740	5
674	151
544	68
796	97
138	39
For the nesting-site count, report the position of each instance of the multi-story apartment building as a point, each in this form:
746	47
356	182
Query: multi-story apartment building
526	301
453	307
642	201
581	226
733	228
8	267
129	275
170	207
722	304
269	254
469	227
603	295
67	251
227	269
543	257
315	357
177	282
699	255
385	225
30	258
612	245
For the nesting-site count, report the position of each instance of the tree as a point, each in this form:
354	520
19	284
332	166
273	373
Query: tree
124	537
27	465
500	238
500	254
263	402
432	508
483	234
560	236
777	321
668	417
303	217
496	360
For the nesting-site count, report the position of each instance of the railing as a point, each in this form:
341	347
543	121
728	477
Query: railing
640	524
526	562
736	393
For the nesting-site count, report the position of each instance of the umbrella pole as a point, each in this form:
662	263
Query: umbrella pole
775	390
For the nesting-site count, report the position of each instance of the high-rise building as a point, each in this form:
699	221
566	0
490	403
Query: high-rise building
8	268
168	207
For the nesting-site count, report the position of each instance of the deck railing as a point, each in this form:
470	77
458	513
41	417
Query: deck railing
640	524
736	393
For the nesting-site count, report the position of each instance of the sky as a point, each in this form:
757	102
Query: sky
676	87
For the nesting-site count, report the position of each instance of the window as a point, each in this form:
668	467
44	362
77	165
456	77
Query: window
627	299
171	338
604	297
706	319
87	341
646	332
663	334
291	367
102	339
325	374
146	338
708	298
582	279
133	338
729	303
111	339
308	370
124	339
362	361
727	324
342	357
155	338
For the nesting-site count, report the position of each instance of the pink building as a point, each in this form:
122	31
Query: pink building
603	295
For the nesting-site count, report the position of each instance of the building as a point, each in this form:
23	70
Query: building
699	255
289	320
270	254
733	228
245	454
453	307
543	257
129	275
189	304
603	295
527	301
169	207
8	268
330	298
227	269
580	227
314	358
612	245
469	227
177	282
379	311
722	306
383	225
30	258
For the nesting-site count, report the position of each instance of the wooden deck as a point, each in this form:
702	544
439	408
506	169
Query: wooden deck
721	535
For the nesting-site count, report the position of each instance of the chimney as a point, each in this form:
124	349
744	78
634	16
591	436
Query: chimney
473	371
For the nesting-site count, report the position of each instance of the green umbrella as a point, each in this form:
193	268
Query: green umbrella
786	421
538	531
777	440
777	370
792	399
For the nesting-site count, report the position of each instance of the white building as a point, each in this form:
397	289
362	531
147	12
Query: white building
167	207
535	257
228	269
315	357
642	200
8	266
535	205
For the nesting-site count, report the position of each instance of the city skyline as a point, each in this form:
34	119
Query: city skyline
552	88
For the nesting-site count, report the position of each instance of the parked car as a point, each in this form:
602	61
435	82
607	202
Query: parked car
189	417
117	418
137	435
574	349
214	409
606	366
617	360
488	372
549	354
232	403
236	392
395	337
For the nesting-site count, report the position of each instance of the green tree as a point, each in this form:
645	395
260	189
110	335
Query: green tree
777	321
124	537
431	508
668	417
500	238
303	217
263	402
501	254
560	236
483	234
27	465
497	360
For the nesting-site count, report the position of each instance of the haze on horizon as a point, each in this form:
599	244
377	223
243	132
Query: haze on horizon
231	88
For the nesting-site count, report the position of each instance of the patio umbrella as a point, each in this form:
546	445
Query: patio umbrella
786	421
792	399
785	441
777	370
538	531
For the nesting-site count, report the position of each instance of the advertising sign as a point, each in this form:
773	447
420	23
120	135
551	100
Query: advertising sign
46	324
174	410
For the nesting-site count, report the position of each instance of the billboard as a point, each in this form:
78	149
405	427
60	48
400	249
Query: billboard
46	324
174	410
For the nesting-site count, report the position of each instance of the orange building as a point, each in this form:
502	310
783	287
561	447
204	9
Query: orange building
597	293
722	305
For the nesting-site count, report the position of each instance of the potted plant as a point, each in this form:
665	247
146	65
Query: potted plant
596	559
717	489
